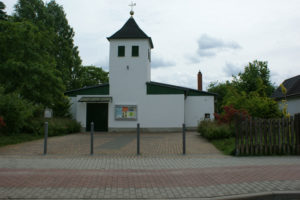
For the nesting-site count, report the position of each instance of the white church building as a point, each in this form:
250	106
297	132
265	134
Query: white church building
131	97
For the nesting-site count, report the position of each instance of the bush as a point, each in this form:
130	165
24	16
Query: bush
56	126
62	126
230	114
15	112
212	130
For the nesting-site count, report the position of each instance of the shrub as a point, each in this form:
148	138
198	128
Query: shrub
56	126
15	111
62	126
2	123
230	113
212	130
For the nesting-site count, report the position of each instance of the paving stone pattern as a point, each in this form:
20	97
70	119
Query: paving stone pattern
145	178
116	144
116	172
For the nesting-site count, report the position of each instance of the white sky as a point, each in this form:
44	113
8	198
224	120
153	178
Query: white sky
218	37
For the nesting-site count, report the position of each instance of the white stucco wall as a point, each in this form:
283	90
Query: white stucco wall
80	114
293	105
163	111
128	73
196	107
153	111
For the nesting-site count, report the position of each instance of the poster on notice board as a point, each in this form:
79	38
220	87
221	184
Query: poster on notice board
126	112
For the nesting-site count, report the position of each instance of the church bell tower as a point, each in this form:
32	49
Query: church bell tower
129	61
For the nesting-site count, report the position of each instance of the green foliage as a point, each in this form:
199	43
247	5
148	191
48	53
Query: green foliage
91	75
61	107
253	103
227	146
26	66
212	130
51	17
56	127
256	77
62	126
17	138
221	89
3	15
248	91
15	111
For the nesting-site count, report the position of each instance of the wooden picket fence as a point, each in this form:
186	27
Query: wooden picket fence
268	136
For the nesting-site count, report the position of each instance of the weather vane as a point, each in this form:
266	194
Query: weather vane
132	5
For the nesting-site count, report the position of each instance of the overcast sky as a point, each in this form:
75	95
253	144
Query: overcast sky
218	37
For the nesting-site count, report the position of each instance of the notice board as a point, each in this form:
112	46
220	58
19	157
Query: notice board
126	112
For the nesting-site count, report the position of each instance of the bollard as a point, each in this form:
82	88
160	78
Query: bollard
45	138
138	139
92	138
183	139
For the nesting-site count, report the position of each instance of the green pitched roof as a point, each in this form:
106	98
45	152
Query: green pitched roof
162	88
102	89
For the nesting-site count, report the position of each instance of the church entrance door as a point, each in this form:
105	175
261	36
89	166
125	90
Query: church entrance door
97	113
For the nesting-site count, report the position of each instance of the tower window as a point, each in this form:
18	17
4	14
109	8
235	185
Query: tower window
121	51
135	51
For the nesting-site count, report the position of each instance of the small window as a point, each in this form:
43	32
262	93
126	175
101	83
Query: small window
207	116
135	51
121	51
149	55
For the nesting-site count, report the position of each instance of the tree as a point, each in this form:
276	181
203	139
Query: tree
25	64
51	17
221	89
91	75
253	103
254	76
3	15
248	91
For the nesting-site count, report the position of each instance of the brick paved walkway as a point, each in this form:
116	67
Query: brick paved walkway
115	172
178	177
117	144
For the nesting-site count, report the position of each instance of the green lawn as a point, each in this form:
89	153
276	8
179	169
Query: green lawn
17	138
227	146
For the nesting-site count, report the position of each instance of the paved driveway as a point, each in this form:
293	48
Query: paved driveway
117	144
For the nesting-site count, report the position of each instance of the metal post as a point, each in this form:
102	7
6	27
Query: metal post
92	138
183	139
138	139
45	137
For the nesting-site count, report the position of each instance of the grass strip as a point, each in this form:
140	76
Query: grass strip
227	146
17	138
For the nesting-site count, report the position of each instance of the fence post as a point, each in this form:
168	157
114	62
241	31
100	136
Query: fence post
92	138
45	137
237	146
183	139
138	139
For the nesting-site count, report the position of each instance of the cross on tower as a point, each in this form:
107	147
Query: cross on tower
132	5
